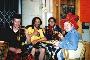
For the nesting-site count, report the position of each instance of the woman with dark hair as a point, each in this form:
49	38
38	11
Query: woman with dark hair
33	20
52	29
35	36
51	33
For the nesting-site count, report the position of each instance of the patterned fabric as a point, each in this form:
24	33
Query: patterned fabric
51	51
51	32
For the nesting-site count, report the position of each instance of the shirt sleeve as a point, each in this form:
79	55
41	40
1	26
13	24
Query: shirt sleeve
29	30
70	41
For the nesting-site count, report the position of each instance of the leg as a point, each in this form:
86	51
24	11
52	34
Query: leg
10	55
33	51
42	53
60	55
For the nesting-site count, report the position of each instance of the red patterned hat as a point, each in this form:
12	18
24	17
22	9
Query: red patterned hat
71	21
71	16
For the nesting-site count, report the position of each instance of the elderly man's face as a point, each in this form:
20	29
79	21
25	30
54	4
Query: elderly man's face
67	26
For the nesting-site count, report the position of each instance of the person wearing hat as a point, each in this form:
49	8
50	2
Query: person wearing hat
71	39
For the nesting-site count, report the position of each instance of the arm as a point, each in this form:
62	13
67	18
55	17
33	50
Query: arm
28	37
42	39
70	41
29	33
41	36
15	50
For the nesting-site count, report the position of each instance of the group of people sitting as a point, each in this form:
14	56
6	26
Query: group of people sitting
32	38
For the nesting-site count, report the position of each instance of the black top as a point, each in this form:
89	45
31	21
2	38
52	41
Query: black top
14	39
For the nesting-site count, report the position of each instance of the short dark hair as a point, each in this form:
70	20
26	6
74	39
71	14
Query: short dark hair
52	18
17	16
33	20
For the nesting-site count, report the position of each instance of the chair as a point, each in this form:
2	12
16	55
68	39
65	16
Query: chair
3	50
79	54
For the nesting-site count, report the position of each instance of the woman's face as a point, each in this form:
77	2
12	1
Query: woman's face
16	23
37	23
51	22
67	26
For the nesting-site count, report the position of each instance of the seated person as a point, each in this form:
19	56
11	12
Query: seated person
14	38
71	39
35	36
52	29
51	33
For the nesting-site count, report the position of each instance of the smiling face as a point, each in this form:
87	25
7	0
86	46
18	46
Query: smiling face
67	26
37	23
16	23
51	22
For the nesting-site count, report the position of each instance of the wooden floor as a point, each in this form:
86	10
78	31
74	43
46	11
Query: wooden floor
87	52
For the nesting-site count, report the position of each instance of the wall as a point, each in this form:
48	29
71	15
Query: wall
85	17
85	10
32	8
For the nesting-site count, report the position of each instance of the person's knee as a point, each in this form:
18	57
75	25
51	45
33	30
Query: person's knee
33	49
42	50
59	54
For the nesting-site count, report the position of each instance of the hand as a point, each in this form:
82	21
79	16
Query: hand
36	33
34	42
56	32
60	35
15	50
56	44
18	51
